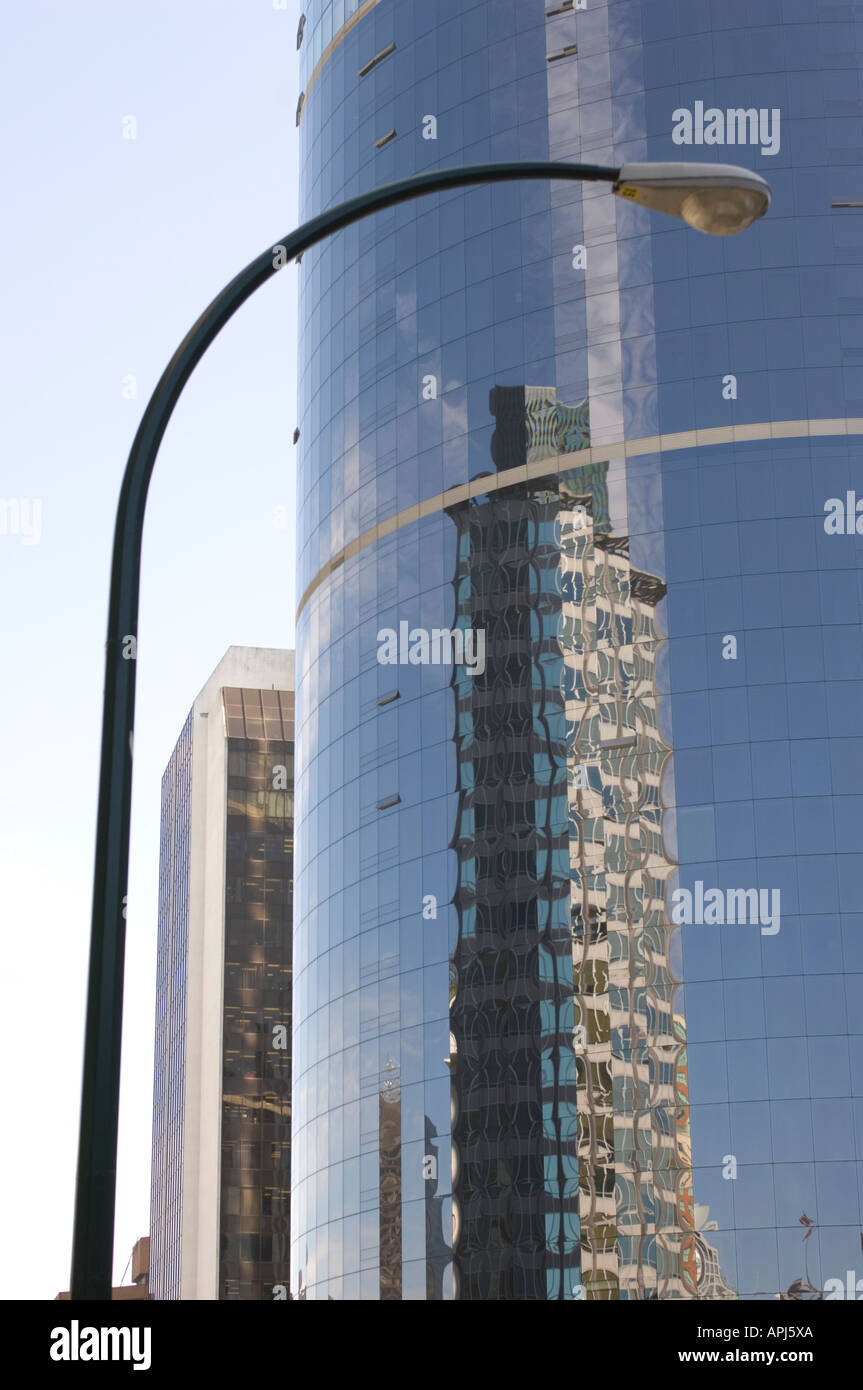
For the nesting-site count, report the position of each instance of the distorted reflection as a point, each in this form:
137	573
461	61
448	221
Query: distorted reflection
570	1086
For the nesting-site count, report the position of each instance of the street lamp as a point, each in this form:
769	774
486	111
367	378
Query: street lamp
720	199
716	198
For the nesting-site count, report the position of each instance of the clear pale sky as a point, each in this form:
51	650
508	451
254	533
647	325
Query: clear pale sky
112	247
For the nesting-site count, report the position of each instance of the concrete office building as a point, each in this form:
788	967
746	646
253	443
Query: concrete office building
220	1190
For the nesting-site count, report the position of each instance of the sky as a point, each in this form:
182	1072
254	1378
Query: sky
117	233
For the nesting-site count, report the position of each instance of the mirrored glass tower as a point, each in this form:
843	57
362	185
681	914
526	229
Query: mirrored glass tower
579	916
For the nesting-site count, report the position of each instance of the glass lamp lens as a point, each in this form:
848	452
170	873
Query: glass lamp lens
722	211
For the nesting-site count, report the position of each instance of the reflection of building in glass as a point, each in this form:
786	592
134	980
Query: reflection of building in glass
438	1251
699	1264
565	1077
390	1194
708	1275
689	1262
220	1202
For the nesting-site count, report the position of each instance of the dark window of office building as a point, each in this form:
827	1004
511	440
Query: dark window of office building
256	1100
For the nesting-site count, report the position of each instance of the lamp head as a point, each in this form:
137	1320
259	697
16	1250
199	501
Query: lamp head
720	199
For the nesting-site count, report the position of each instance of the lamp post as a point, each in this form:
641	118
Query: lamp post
716	198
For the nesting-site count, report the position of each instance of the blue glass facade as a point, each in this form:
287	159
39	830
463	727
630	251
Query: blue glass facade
579	935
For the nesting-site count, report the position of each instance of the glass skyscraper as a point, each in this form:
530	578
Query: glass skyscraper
579	891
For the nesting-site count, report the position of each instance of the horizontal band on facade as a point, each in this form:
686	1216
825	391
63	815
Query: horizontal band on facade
333	44
562	463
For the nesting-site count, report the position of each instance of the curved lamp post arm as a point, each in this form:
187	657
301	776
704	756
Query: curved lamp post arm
93	1238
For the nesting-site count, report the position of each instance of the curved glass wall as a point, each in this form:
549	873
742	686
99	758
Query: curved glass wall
578	910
